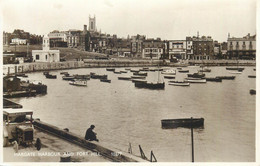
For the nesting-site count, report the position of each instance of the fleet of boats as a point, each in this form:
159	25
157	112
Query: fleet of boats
139	77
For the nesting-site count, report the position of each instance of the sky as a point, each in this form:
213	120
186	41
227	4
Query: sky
167	19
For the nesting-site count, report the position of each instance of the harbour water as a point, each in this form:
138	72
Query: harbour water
124	114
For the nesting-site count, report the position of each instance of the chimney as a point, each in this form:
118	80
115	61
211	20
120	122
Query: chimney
85	28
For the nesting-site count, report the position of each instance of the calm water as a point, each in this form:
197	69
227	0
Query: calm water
124	114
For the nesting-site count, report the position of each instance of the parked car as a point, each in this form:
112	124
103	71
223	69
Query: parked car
17	126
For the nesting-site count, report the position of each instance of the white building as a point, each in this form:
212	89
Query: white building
177	48
18	41
46	55
58	36
152	53
244	47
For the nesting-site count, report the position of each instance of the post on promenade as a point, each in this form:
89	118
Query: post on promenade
192	143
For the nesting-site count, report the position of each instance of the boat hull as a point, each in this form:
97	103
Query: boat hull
149	85
180	84
186	123
235	68
196	80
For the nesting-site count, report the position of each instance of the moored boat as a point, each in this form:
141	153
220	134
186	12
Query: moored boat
169	72
235	72
205	70
78	82
105	80
150	85
117	72
179	83
21	75
50	76
140	73
123	71
64	73
78	76
195	80
196	75
252	76
68	77
183	71
38	87
186	123
110	69
138	77
138	80
252	91
235	68
134	70
124	78
214	79
169	77
145	69
14	94
226	77
96	76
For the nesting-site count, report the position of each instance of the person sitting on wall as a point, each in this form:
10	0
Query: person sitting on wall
90	134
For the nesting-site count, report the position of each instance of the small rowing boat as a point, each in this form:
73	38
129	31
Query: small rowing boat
78	83
195	80
179	83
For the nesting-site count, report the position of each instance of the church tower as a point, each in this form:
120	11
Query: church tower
46	43
92	24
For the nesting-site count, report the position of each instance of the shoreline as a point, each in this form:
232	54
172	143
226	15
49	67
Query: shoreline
47	66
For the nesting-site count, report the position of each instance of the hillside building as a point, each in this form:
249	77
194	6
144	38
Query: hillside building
46	55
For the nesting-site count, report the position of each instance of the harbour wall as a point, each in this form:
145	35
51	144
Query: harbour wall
109	153
43	66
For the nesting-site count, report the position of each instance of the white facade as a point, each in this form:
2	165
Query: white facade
152	53
18	41
46	55
241	44
177	48
60	36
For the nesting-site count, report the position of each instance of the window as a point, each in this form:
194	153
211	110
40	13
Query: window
231	43
37	57
46	56
237	43
244	43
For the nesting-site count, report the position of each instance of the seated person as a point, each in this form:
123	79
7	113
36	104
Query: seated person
90	135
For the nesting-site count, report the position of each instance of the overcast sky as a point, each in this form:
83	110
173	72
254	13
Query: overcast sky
168	19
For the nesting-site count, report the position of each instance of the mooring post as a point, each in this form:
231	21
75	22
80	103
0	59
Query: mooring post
153	156
192	143
142	153
130	148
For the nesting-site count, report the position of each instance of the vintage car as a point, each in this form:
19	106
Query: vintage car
17	126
